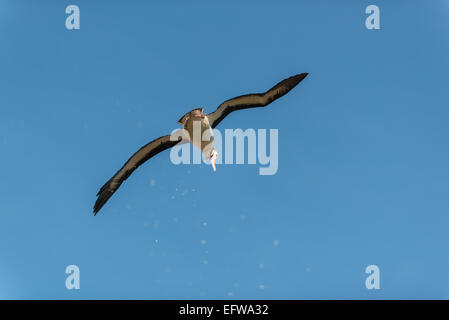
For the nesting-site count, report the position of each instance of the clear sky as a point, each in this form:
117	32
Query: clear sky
363	150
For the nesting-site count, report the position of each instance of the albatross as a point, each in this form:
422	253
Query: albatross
192	119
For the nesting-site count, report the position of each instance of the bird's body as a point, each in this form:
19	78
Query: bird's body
199	130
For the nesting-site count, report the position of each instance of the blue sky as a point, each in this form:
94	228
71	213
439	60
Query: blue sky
363	150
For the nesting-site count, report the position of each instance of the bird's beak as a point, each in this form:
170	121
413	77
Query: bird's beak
212	161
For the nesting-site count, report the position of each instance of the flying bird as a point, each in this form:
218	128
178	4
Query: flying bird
191	120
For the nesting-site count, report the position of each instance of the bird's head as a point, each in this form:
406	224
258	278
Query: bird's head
213	156
198	113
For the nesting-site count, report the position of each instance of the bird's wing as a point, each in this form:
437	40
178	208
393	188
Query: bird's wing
254	100
146	152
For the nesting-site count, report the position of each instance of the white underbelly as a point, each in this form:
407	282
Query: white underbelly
201	135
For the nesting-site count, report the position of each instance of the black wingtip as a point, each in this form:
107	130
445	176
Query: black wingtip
301	76
289	83
293	81
103	196
96	208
